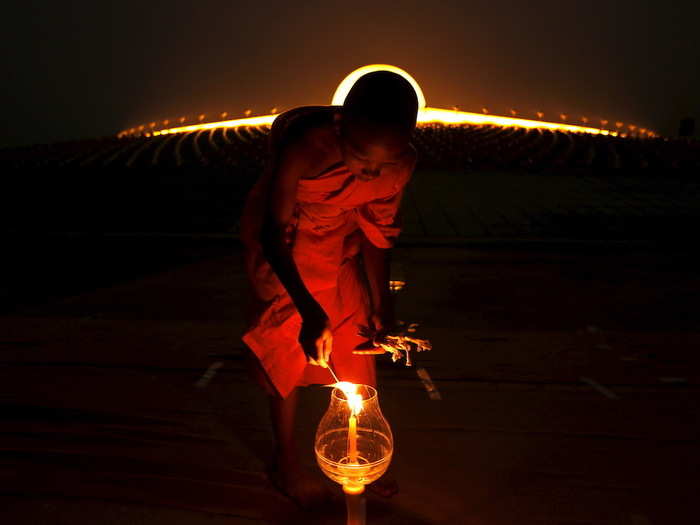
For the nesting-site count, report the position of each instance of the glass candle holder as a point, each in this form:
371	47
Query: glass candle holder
354	443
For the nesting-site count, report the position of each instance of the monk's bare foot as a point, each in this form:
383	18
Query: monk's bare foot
306	488
384	487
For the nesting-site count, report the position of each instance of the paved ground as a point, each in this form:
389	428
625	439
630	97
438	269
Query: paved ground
438	204
522	205
569	382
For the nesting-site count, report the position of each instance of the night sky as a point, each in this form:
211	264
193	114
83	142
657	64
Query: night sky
84	68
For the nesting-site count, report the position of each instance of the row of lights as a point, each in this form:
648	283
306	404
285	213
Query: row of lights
621	130
638	130
147	129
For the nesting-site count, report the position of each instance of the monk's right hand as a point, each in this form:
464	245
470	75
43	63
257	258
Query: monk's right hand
316	338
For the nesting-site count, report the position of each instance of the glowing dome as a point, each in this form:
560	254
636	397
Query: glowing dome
344	87
426	115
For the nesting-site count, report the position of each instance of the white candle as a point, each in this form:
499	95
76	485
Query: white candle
352	439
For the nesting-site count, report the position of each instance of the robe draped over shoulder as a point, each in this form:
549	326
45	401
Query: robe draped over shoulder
333	212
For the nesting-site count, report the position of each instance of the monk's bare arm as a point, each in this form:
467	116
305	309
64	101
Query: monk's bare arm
377	267
295	160
377	262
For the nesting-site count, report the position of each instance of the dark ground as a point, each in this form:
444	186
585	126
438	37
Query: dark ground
104	341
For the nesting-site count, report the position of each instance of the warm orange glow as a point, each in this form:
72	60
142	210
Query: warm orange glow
396	286
353	449
426	115
446	116
350	391
251	121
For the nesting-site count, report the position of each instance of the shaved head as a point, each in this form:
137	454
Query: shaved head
382	100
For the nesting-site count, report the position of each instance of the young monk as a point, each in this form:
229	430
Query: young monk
317	229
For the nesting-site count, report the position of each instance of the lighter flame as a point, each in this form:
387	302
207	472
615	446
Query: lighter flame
350	391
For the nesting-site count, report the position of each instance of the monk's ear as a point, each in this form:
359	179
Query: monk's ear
337	119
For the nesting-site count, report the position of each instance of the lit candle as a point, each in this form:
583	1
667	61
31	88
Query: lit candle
354	401
352	439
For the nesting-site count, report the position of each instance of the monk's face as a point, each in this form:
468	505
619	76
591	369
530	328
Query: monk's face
368	150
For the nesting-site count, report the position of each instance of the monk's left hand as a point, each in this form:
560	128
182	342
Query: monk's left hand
382	325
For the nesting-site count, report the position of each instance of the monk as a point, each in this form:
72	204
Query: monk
318	228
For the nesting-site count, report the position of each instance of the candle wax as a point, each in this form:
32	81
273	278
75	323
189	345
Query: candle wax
352	440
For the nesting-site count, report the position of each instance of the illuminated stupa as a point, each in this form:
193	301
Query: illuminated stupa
426	115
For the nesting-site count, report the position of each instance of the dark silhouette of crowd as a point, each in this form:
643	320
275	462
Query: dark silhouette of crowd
454	147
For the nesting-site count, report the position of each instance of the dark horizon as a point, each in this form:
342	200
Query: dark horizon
82	70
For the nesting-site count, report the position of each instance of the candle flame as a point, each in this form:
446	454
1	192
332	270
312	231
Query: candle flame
354	399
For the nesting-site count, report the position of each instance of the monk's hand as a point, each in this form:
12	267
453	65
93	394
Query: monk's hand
380	325
316	338
383	324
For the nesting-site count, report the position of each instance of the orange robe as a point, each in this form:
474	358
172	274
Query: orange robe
332	214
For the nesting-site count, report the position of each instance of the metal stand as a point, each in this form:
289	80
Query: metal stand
355	501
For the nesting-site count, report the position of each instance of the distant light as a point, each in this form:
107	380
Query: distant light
152	125
181	119
563	116
513	112
166	122
397	285
584	120
224	114
619	124
425	114
273	110
251	121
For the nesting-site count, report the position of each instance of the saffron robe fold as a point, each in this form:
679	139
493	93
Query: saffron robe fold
332	214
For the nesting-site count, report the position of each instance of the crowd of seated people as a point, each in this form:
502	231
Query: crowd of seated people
455	147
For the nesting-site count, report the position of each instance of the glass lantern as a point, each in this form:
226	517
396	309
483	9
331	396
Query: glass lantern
353	442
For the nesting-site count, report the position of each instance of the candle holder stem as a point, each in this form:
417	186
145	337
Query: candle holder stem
355	502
